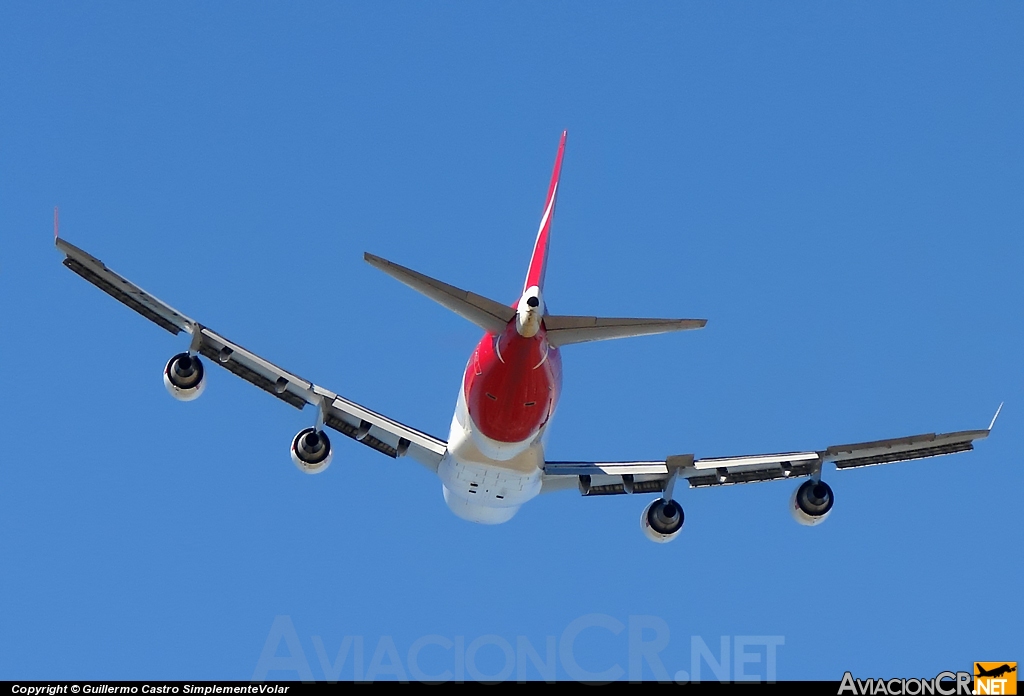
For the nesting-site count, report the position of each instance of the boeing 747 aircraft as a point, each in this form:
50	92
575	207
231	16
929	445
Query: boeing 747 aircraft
493	461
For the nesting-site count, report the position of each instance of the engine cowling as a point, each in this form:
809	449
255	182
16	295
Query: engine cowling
811	503
185	377
662	520
311	451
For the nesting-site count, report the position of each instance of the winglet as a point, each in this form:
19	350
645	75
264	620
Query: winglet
56	225
995	416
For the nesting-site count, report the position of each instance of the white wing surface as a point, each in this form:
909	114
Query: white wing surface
609	478
346	417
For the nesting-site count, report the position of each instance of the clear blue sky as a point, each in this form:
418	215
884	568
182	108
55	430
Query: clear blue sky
836	187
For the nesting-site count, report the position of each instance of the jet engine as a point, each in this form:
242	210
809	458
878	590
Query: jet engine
662	520
185	377
811	503
311	451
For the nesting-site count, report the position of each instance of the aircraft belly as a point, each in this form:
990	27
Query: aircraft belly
493	486
485	490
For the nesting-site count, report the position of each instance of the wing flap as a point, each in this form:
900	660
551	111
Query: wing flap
367	427
346	417
902	449
614	485
389	432
384	435
756	460
726	476
255	370
123	290
604	468
609	478
726	471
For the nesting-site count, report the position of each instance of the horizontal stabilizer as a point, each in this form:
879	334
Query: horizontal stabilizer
563	330
487	314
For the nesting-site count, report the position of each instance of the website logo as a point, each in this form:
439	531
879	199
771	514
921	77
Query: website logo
995	678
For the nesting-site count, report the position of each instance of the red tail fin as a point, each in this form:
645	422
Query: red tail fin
538	262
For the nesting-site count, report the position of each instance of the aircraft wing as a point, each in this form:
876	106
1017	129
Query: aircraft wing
346	417
609	478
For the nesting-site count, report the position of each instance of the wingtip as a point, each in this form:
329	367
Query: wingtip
377	262
990	425
56	225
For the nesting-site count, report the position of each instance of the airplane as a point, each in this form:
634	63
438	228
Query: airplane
996	672
493	461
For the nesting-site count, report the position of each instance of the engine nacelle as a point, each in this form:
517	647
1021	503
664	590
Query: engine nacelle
811	503
311	451
185	377
662	520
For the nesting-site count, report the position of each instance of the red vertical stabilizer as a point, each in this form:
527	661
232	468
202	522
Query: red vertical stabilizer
538	262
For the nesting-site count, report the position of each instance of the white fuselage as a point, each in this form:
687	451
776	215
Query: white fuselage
485	489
